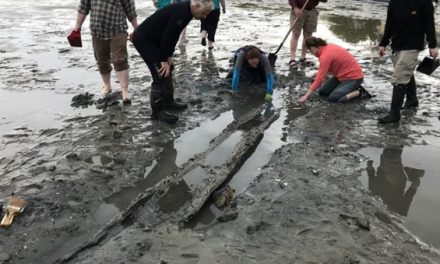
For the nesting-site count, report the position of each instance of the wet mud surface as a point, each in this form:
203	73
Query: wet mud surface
314	183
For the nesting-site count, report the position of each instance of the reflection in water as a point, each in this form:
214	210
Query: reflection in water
208	65
165	166
354	30
390	180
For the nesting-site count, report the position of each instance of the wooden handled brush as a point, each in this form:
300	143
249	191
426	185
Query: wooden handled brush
14	207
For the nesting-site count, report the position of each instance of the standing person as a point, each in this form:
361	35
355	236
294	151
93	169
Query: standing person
108	26
307	23
252	64
155	39
407	24
346	71
208	26
159	4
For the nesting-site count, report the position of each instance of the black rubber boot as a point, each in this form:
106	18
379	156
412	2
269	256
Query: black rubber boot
159	112
396	104
168	101
411	95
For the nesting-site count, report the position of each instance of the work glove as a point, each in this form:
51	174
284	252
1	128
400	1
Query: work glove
268	97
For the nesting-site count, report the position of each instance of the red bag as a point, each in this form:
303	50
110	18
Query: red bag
75	38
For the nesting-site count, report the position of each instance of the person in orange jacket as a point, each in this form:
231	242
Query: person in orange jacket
347	77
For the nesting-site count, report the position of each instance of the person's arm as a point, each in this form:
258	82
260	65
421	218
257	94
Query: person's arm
170	36
324	66
237	68
389	27
429	27
83	11
269	75
293	3
223	3
130	11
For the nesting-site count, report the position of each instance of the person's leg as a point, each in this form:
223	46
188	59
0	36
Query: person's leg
306	35
101	49
203	31
345	91
213	19
118	48
328	87
405	62
182	38
169	102
296	33
411	95
310	26
150	53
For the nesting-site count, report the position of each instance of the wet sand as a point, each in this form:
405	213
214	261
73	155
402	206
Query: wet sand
302	185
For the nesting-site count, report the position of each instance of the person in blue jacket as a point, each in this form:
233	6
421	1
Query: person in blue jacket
252	65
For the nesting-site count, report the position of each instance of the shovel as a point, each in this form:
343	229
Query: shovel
15	206
273	56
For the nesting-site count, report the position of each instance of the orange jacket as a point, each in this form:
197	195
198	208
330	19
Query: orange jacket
339	62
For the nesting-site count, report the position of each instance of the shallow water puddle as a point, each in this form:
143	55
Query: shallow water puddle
174	154
224	150
33	111
197	140
407	181
274	137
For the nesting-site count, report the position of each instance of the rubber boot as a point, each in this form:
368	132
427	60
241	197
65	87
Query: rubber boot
411	95
169	103
158	112
396	104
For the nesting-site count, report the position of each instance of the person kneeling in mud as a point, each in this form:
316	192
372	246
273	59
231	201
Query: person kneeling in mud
155	39
252	65
347	73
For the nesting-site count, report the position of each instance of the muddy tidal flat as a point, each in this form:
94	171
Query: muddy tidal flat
236	179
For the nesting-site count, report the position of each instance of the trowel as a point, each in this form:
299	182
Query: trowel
14	207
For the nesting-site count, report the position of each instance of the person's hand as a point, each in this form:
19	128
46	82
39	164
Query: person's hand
303	99
306	96
268	97
297	11
231	92
381	51
224	10
165	69
170	61
433	52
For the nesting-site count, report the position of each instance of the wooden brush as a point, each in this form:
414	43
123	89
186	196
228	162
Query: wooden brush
14	207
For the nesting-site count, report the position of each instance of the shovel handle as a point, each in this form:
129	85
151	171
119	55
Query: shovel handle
291	28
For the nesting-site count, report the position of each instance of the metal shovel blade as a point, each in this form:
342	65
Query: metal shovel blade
272	59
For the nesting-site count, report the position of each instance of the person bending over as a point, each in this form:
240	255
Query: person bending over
347	74
252	64
155	39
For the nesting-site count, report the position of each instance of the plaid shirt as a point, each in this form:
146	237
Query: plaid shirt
108	17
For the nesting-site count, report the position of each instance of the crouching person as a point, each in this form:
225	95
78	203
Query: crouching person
252	65
155	39
347	77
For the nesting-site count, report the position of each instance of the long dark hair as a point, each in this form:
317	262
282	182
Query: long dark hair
315	42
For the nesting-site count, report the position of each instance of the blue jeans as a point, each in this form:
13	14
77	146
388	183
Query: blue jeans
337	91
